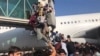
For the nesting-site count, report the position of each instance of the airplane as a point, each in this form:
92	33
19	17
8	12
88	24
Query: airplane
79	27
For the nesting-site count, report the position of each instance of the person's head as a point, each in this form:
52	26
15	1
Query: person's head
14	51
42	52
68	38
46	5
62	35
62	52
56	31
76	44
39	4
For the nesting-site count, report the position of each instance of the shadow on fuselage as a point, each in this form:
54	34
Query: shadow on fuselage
93	34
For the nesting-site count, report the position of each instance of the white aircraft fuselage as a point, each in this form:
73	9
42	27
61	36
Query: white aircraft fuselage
77	25
73	25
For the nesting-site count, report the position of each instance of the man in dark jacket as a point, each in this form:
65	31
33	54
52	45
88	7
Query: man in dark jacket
70	46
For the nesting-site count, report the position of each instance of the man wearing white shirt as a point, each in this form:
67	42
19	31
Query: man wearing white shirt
63	45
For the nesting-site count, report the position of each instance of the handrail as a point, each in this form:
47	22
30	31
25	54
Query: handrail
17	20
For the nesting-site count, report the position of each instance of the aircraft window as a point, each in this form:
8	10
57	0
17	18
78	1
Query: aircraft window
92	20
71	21
64	22
68	22
61	23
75	21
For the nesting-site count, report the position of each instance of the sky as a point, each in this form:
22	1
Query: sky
72	7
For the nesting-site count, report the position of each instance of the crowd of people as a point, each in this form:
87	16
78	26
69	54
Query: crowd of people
66	47
38	19
60	47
